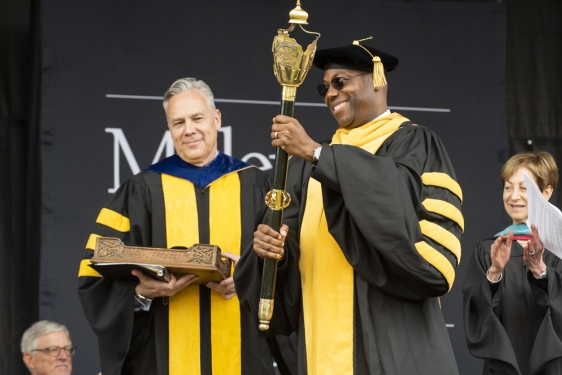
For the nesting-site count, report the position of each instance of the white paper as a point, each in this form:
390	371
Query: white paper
545	216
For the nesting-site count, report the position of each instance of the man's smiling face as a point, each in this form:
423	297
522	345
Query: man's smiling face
353	105
193	126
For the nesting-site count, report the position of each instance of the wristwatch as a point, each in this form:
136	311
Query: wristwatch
541	276
316	155
142	298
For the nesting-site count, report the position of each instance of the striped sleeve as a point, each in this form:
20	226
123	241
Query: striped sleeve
437	198
131	200
441	222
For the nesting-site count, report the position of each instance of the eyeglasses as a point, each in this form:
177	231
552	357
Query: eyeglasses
54	351
337	83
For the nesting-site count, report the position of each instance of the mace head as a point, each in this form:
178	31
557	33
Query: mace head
290	62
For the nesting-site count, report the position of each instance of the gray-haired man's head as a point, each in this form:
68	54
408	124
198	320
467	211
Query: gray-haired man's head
47	349
186	84
193	120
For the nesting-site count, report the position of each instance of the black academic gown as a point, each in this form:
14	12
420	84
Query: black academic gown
373	205
515	325
137	342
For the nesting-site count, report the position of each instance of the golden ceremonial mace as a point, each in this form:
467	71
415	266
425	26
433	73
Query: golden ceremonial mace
290	65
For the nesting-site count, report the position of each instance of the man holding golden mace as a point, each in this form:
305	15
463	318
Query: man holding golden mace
371	237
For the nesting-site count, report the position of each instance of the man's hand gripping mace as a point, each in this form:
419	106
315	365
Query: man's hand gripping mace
290	65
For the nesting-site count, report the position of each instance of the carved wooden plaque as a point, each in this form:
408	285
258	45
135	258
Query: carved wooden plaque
202	260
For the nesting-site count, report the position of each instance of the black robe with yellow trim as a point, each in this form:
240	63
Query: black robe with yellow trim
396	217
517	329
192	332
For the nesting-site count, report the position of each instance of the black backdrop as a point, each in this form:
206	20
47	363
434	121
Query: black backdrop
534	73
452	71
20	185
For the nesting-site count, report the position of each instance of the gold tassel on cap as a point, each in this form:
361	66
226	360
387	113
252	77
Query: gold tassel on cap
379	80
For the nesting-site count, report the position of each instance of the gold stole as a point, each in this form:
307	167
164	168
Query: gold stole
326	276
182	229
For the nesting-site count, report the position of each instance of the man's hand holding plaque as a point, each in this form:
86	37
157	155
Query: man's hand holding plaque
151	288
225	287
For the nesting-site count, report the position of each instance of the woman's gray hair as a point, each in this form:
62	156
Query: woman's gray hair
186	84
38	329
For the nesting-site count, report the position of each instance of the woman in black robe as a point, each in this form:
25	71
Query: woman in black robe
513	286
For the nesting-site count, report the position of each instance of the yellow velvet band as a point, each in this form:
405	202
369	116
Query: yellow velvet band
444	209
184	320
443	237
91	244
371	135
437	260
442	180
327	278
226	232
182	229
86	270
327	287
114	220
184	332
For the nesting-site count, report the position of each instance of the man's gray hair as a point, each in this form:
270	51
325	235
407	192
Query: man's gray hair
38	329
186	84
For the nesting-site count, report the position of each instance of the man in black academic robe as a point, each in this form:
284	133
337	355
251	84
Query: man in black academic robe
198	195
372	234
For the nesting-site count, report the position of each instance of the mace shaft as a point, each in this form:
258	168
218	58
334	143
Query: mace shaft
275	217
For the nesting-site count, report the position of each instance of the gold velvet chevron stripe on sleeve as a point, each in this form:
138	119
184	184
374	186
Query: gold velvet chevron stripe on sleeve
437	260
442	180
91	244
444	209
86	270
114	220
442	236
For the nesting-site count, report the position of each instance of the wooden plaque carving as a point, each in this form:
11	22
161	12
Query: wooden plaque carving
202	260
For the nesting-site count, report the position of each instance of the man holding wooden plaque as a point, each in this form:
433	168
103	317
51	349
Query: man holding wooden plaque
198	196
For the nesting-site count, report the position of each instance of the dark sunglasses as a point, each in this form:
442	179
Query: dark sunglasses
337	83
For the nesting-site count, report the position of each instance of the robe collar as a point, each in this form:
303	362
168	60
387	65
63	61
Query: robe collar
201	177
384	114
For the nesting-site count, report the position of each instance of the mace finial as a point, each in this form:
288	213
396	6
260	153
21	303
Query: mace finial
298	15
